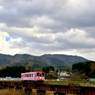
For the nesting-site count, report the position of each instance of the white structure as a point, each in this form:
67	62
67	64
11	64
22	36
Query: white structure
63	73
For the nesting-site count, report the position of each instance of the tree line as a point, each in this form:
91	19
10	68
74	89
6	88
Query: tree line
15	71
87	68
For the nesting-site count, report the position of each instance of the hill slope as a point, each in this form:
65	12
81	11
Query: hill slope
69	59
56	60
31	63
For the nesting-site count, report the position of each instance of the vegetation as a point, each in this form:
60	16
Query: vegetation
47	69
51	76
4	60
76	76
57	60
80	71
14	71
85	68
11	92
66	82
22	92
34	64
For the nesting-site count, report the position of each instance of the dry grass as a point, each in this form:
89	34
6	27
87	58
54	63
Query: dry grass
11	92
14	92
50	92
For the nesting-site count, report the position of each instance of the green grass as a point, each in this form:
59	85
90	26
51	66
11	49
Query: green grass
83	83
66	82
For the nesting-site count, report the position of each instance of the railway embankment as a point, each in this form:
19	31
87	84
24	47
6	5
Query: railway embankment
60	87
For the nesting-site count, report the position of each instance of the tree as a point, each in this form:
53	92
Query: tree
56	71
83	76
14	71
85	67
51	76
47	69
6	66
75	76
38	69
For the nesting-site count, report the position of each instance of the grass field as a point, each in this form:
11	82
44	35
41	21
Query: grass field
81	83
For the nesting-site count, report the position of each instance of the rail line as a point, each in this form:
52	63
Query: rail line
43	87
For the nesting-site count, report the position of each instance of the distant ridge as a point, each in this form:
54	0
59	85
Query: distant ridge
56	60
70	59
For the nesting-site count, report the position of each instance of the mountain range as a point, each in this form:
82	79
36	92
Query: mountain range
56	60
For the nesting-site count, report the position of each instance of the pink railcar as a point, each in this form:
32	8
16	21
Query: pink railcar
33	76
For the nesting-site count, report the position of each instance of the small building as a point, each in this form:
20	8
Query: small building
63	73
52	72
92	79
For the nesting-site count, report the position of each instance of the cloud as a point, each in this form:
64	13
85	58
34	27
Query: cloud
9	45
45	26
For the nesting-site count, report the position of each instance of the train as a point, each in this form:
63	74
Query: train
33	76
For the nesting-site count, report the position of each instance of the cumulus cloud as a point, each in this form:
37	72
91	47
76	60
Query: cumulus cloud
45	26
10	46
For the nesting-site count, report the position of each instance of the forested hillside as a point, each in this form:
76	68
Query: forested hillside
57	60
67	59
85	67
34	64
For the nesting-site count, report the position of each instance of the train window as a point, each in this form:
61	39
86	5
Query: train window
28	75
37	74
32	75
42	74
25	75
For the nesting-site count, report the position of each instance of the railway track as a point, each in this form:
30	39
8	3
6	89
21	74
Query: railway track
61	89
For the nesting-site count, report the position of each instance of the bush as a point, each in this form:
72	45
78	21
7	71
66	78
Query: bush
1	87
51	76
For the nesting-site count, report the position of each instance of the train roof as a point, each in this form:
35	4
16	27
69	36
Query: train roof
32	72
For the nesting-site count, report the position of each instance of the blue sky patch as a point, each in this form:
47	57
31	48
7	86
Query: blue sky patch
8	38
15	37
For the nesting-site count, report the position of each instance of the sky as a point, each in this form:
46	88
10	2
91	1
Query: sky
40	27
